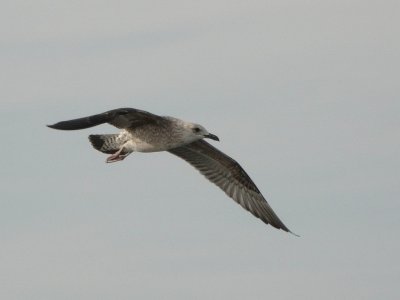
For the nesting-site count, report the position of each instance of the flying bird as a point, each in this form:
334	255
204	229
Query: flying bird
146	132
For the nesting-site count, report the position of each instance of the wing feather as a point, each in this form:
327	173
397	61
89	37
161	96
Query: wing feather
228	175
120	118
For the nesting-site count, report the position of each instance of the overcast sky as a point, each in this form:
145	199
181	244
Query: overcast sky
304	94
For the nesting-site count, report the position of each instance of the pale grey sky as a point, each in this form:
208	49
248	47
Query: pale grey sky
304	94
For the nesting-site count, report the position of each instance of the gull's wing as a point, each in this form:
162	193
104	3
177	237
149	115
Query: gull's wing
120	118
227	174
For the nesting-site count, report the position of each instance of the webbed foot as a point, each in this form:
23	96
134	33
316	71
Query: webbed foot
117	156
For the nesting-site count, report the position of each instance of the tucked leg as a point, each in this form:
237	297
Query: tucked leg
117	156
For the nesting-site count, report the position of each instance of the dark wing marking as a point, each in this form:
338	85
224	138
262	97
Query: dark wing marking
227	174
120	118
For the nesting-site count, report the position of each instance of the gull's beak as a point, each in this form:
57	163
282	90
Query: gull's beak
212	136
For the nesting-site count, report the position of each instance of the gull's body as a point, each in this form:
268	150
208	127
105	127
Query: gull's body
146	132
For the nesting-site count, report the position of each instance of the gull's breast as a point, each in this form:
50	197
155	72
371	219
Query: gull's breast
137	141
139	145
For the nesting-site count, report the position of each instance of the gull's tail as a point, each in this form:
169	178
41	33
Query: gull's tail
106	143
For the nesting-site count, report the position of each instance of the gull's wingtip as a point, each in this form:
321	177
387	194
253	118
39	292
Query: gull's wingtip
56	126
291	232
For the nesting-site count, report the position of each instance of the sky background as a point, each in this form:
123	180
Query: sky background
304	94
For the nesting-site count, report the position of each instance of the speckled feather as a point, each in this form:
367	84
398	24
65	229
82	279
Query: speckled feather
146	132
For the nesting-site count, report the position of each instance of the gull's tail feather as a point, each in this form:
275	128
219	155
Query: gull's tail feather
106	143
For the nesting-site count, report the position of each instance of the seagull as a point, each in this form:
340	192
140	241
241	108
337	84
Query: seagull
142	131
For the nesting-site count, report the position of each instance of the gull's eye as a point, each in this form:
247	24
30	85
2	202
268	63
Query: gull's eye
196	129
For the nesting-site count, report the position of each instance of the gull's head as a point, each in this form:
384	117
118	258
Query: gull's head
194	132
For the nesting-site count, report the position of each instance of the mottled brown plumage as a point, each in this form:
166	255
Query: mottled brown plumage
146	132
228	175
